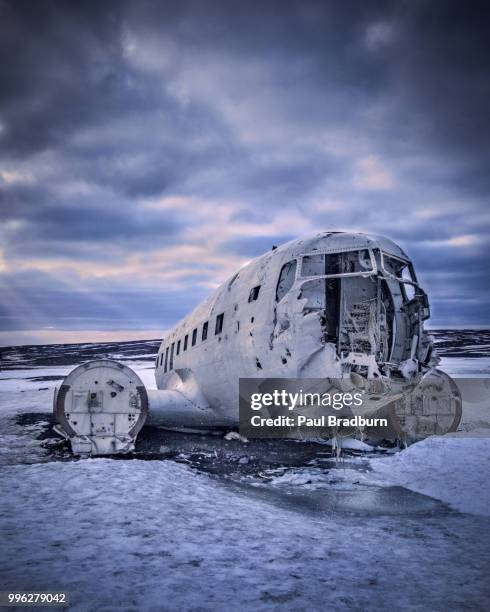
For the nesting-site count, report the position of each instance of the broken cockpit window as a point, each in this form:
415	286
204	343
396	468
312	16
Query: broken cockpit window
403	271
335	264
286	279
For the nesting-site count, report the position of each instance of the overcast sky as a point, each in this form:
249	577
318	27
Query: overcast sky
149	149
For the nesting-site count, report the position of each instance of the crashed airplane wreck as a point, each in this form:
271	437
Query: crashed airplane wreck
337	306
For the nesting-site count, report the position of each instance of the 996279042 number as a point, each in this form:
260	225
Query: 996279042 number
28	598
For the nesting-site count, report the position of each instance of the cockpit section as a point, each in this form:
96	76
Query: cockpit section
369	303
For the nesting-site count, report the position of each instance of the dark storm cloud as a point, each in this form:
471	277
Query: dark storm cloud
88	218
444	75
60	68
370	116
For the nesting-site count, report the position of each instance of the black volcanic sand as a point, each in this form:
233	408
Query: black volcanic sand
211	453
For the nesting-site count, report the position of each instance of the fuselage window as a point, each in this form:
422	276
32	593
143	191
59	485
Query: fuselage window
178	347
172	347
254	293
219	324
204	331
186	341
166	360
286	279
194	336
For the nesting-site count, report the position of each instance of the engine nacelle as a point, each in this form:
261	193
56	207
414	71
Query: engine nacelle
100	407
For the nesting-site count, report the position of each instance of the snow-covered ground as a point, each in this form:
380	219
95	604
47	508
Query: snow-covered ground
453	468
465	367
154	535
397	531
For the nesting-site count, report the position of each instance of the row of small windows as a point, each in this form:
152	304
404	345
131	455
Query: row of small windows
284	284
175	349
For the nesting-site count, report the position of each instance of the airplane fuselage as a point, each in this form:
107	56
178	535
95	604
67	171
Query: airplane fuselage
334	305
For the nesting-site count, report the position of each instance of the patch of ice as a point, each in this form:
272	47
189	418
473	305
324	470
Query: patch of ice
453	469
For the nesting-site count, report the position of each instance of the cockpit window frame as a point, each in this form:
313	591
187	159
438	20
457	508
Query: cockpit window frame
372	272
405	261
